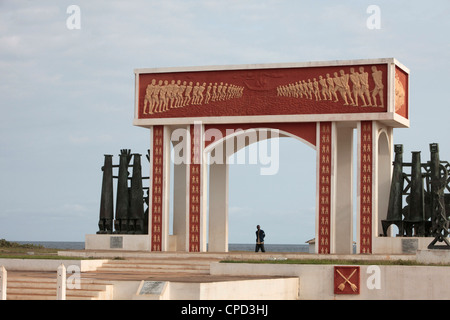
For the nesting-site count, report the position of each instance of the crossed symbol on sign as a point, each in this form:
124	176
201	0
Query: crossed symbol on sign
342	285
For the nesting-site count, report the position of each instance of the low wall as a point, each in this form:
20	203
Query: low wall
259	289
127	242
376	282
399	245
49	264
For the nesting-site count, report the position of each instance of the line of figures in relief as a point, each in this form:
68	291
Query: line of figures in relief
162	96
328	87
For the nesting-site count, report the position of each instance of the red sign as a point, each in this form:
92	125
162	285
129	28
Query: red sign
346	280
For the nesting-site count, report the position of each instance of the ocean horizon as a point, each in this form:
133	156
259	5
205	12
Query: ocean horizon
80	245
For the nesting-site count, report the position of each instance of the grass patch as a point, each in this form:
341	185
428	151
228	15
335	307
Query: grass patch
48	257
337	262
14	250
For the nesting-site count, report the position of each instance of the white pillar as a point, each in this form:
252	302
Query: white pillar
218	205
180	140
159	195
3	282
383	144
342	209
61	283
180	206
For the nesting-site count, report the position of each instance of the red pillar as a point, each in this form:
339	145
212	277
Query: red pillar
195	200
324	163
366	192
157	191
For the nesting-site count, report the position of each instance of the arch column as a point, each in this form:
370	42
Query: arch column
218	202
180	140
159	191
324	186
334	209
197	193
342	200
366	185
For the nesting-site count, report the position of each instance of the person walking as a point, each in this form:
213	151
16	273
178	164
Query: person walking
260	235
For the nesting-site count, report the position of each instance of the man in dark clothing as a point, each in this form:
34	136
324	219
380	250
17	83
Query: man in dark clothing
260	239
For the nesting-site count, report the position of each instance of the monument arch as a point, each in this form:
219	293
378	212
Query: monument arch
321	103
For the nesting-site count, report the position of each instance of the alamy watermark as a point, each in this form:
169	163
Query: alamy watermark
74	280
73	21
225	147
374	20
374	279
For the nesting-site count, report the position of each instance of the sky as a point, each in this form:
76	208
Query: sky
67	96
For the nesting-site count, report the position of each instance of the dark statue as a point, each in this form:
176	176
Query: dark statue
130	216
427	208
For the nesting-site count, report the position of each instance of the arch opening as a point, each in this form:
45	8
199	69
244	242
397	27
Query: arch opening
282	202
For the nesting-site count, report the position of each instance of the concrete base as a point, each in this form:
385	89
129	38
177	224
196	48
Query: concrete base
49	264
376	282
399	245
261	289
436	256
253	281
127	242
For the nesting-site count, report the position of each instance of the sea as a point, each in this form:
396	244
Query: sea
74	245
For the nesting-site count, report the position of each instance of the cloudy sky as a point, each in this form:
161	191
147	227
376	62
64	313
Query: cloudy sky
67	96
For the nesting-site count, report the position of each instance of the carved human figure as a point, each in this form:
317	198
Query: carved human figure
316	90
331	88
219	91
201	89
187	94
164	97
148	97
178	94
340	87
377	76
223	93
364	80
299	89
324	88
171	93
181	93
310	88
357	93
345	79
208	93
155	98
214	92
195	96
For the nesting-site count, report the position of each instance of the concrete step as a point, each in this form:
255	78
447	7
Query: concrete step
44	288
166	261
150	271
168	265
155	266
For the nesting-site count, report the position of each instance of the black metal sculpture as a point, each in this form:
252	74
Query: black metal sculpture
105	223
130	216
424	214
122	203
394	214
136	212
439	219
